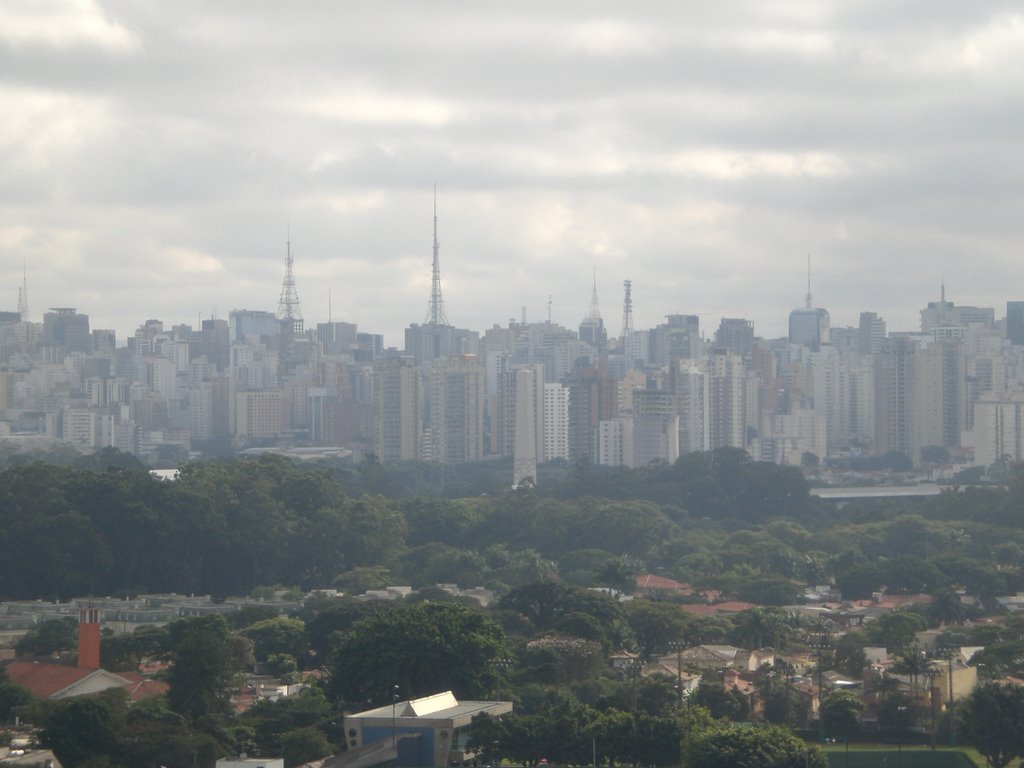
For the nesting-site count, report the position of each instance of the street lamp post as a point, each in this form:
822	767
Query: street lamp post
933	700
947	652
500	665
677	646
394	721
821	643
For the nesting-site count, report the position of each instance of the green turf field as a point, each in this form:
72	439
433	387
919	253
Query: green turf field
868	756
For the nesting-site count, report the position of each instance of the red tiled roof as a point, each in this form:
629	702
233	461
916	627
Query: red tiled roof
44	680
651	581
144	688
700	609
734	606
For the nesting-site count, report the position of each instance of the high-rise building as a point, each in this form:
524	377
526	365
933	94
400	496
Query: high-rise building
728	401
998	432
65	329
896	413
693	403
1015	322
872	333
615	442
397	404
945	314
556	421
457	410
593	398
259	416
592	330
655	427
251	325
678	338
735	335
809	325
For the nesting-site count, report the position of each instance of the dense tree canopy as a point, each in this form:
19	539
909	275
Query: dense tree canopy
422	648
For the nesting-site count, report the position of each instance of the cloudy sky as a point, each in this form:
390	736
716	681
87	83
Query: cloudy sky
155	154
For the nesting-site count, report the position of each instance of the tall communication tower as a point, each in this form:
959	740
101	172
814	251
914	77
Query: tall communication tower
807	298
435	312
288	310
627	310
595	310
23	294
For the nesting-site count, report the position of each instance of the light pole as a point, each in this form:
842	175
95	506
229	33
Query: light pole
934	697
821	643
394	722
947	652
677	646
500	665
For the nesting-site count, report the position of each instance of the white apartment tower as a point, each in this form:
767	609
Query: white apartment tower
556	421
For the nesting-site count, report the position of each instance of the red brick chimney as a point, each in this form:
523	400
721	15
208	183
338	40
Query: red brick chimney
89	638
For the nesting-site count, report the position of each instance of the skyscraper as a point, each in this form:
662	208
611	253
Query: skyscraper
871	333
809	326
397	422
1015	322
457	410
65	329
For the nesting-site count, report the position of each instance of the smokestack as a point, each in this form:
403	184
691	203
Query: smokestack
89	638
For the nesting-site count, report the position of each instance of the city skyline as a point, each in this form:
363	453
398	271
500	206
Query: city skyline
157	160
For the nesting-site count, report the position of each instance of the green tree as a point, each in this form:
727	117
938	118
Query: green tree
899	712
303	746
842	711
205	657
655	624
896	630
721	703
994	722
84	728
50	637
761	627
11	697
276	636
752	747
423	648
946	608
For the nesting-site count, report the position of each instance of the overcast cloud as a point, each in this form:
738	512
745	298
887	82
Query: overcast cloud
154	155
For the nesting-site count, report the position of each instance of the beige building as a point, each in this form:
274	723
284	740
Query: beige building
457	410
259	415
397	410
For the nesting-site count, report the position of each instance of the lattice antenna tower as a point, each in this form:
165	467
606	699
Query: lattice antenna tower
595	310
808	298
288	309
627	310
435	312
23	294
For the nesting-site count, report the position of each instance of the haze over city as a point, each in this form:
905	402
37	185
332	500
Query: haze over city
156	156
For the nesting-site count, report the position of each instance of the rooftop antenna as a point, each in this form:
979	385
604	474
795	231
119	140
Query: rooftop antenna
808	281
524	314
549	309
23	293
595	311
435	314
627	310
288	308
328	305
942	293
